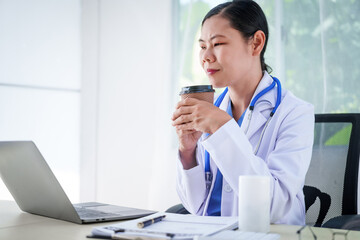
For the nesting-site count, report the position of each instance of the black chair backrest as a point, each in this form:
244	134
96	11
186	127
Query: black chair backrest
331	184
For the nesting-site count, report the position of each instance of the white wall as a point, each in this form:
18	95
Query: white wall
126	106
40	82
121	109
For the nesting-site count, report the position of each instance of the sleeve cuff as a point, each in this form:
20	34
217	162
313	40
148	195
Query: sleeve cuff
221	133
191	174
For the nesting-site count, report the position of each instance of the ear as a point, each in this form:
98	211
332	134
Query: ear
258	42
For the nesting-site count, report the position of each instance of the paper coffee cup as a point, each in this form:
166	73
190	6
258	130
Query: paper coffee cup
201	92
254	203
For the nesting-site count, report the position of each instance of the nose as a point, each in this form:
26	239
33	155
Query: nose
208	56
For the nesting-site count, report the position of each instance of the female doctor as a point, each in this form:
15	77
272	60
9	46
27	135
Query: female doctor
256	127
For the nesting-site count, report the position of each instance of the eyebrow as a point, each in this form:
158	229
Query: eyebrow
215	36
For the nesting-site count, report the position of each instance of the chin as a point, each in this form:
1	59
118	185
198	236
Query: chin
217	84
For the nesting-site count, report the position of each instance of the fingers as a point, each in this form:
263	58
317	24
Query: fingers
181	133
186	127
184	110
184	107
182	119
187	102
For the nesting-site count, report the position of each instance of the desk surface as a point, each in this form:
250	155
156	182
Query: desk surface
16	225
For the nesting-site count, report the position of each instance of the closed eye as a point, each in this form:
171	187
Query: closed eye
218	44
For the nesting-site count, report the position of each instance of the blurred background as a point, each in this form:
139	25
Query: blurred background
94	82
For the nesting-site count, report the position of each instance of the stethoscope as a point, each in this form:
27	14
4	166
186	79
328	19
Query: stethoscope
208	174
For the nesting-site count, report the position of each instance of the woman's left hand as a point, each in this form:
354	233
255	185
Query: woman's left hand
200	115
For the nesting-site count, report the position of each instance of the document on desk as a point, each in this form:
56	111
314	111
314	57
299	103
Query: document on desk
172	226
239	235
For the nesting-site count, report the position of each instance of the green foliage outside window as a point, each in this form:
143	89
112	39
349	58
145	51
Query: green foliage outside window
321	49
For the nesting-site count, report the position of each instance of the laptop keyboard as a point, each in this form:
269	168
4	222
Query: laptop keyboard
88	213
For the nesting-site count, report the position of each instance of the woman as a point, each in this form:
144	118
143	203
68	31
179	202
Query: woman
256	127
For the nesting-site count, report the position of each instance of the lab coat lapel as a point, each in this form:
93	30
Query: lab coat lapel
225	102
263	107
256	122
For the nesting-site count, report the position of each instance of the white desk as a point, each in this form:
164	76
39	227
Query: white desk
17	225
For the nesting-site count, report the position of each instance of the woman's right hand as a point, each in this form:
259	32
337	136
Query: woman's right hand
187	144
187	147
191	118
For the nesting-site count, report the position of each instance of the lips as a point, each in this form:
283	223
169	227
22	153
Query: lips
211	71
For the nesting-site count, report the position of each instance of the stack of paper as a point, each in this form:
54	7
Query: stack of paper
173	226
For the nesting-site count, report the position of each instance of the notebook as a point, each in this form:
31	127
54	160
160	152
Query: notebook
36	190
171	226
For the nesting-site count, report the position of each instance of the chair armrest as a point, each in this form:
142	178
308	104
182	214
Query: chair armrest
179	208
350	222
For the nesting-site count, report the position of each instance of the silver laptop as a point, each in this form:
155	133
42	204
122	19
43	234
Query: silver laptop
36	189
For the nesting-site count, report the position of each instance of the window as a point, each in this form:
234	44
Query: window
313	49
191	14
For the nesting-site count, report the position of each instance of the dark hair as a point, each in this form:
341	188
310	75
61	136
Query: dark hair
247	17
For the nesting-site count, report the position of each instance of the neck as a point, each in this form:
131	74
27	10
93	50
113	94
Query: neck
242	92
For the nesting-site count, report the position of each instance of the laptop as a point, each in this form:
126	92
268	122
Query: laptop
36	189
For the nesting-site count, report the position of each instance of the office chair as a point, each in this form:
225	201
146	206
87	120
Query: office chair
331	183
179	208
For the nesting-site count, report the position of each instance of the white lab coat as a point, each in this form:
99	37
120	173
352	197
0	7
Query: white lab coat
284	154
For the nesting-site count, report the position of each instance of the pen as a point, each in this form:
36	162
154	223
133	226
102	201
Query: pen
120	233
150	221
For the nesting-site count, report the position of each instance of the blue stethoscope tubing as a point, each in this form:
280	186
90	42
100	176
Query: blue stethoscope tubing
208	174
